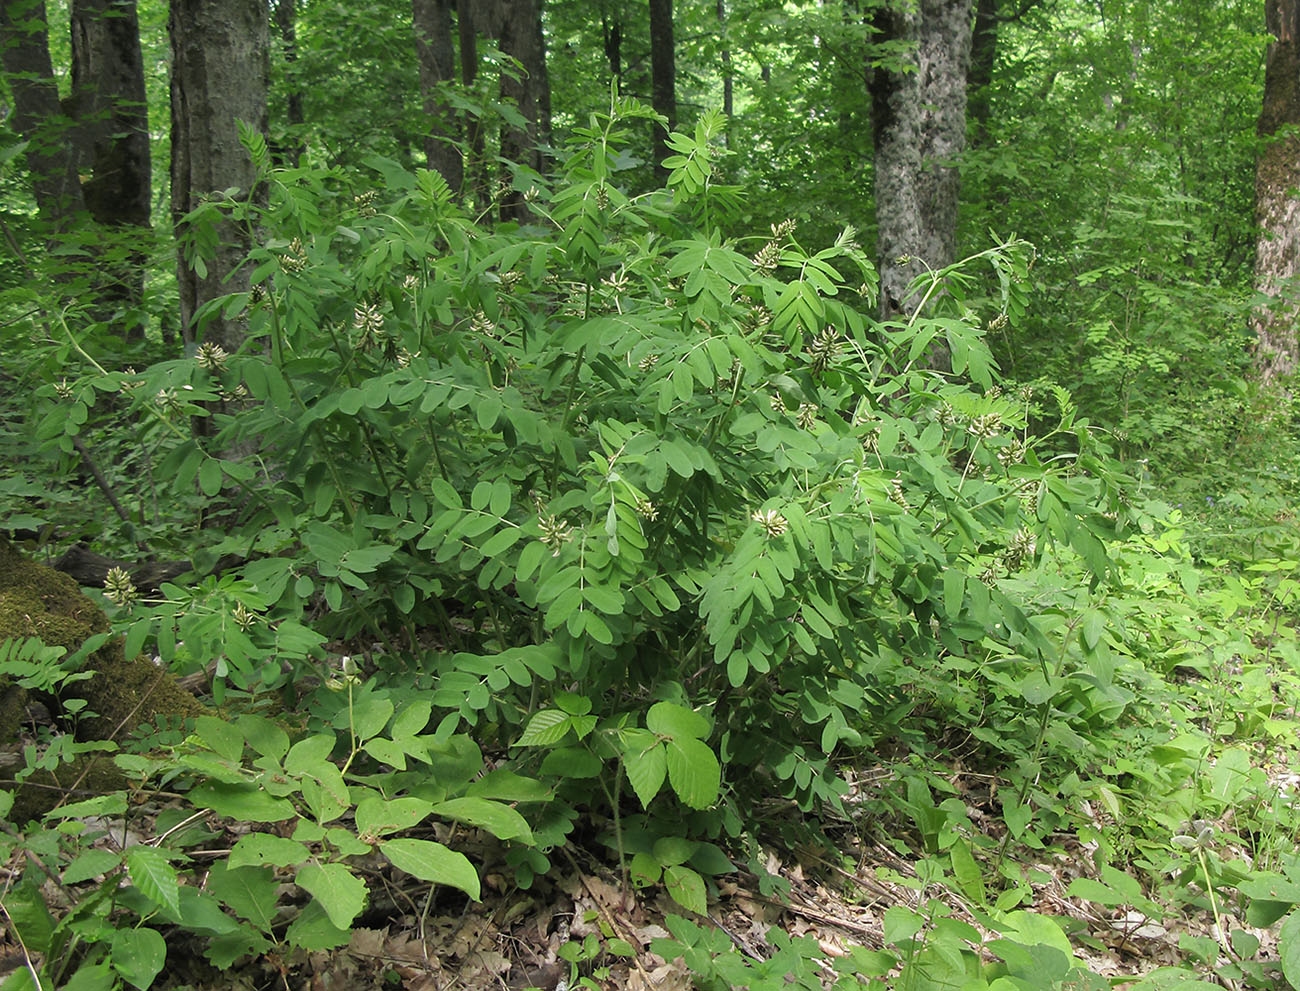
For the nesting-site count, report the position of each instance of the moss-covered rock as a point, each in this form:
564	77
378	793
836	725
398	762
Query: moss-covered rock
37	601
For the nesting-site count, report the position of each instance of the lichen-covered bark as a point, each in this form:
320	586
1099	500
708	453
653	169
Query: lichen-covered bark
220	67
944	62
918	111
437	61
895	86
1277	208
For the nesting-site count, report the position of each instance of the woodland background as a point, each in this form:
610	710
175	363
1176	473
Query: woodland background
724	493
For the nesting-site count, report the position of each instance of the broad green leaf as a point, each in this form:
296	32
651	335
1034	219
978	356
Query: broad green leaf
249	891
1288	946
340	892
693	772
433	862
901	924
138	955
263	849
544	728
686	888
967	871
673	850
314	930
670	719
644	870
646	770
241	801
264	735
500	820
90	864
377	816
150	871
221	736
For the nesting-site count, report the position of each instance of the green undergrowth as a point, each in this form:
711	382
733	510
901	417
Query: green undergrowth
647	532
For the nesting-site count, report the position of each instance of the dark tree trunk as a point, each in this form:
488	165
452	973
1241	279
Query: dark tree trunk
219	77
108	99
37	114
517	27
612	33
286	18
1277	207
475	180
437	60
728	94
983	56
918	104
663	79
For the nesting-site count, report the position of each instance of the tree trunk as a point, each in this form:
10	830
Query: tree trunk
219	77
108	98
612	35
38	116
983	56
663	79
728	94
286	17
475	180
918	108
437	60
517	27
1277	207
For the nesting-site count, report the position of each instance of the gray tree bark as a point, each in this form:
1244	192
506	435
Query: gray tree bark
918	103
437	60
220	67
1277	207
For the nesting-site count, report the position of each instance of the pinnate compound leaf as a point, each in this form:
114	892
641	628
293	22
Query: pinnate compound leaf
430	861
340	892
686	888
138	955
154	876
693	772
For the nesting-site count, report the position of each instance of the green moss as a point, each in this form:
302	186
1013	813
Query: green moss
85	776
37	601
